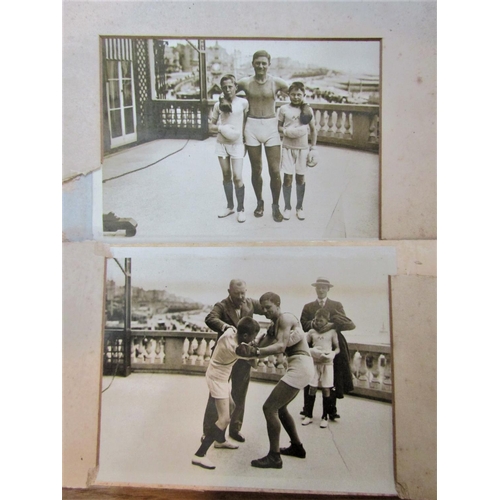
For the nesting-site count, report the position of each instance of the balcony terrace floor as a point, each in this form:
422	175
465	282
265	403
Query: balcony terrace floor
178	198
151	426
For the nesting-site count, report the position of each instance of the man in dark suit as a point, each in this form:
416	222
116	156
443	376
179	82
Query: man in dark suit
226	314
340	322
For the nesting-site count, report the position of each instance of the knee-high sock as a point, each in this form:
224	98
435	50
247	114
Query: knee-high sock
309	406
240	197
327	406
301	189
287	195
214	434
228	190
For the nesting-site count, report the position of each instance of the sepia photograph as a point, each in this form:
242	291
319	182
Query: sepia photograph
248	368
207	140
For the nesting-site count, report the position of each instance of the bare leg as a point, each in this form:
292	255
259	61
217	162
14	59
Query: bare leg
273	154
279	398
255	155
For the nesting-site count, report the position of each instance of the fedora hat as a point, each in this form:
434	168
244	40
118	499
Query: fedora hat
322	281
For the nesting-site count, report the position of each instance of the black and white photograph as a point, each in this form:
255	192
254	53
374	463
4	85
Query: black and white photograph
246	368
207	140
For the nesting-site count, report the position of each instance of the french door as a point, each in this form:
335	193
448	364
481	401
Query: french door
120	97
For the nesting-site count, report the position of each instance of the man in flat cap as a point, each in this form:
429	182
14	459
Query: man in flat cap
341	366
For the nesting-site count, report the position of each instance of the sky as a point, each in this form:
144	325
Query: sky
351	57
359	274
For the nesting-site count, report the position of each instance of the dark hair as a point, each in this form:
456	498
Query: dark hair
261	53
228	77
273	297
322	313
247	325
297	86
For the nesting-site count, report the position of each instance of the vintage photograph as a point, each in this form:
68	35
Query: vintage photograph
228	140
248	368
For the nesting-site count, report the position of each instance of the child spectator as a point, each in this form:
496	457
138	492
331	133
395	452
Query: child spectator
324	348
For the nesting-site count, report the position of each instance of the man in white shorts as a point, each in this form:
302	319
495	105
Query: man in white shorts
228	120
284	336
217	377
295	120
261	128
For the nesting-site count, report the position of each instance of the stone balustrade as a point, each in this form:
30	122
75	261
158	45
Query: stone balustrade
353	126
189	352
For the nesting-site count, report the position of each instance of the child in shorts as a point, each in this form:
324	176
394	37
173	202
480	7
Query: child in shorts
295	120
228	120
325	346
217	377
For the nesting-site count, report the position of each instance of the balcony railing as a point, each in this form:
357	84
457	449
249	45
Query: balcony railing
348	125
189	352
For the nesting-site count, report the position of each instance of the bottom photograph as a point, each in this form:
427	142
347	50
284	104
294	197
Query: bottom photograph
248	368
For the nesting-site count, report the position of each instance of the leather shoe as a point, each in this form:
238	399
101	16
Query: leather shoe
277	214
203	462
259	211
267	462
237	437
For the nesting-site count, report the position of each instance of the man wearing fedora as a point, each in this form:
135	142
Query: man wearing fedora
340	322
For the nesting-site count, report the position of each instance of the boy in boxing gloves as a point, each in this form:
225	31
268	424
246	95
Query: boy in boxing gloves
217	377
295	120
228	120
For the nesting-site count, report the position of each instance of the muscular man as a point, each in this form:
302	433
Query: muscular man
224	315
340	322
284	336
262	128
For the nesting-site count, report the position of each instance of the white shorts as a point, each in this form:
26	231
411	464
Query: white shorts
300	371
323	375
294	161
235	150
262	131
219	389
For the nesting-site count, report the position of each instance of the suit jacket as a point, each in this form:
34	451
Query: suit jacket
223	313
337	315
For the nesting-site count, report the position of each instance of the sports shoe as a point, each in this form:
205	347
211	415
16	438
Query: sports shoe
307	421
226	212
237	437
324	422
226	445
300	214
202	462
268	462
259	211
241	217
277	214
294	450
286	214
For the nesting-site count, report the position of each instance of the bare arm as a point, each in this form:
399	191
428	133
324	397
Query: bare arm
277	344
314	133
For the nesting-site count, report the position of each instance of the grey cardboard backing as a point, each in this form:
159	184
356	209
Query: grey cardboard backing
408	196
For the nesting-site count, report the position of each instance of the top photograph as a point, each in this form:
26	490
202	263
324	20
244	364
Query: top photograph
239	140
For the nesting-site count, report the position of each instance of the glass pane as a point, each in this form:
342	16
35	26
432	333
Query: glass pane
127	92
126	69
116	124
129	121
114	94
112	69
